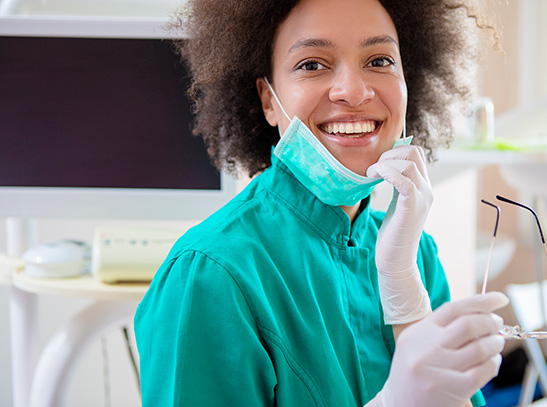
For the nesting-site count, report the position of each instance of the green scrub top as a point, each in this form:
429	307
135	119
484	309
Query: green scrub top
272	301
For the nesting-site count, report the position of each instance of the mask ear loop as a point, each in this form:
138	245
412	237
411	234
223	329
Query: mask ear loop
404	129
277	99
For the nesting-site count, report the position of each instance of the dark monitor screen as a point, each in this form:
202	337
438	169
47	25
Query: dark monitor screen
97	113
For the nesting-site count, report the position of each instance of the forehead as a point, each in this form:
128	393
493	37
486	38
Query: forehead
338	21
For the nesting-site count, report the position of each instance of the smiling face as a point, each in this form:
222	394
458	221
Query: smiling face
336	65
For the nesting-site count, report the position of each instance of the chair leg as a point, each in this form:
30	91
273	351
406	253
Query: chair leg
528	385
536	368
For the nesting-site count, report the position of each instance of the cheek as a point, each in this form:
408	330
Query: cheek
301	101
395	98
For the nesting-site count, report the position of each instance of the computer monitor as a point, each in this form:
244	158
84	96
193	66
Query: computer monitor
95	123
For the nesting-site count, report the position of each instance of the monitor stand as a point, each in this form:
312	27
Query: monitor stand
21	234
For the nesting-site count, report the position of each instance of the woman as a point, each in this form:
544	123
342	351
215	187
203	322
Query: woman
293	294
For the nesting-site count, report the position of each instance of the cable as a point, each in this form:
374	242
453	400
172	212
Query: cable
132	357
106	373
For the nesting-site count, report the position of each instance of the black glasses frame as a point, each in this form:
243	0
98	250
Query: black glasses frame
516	332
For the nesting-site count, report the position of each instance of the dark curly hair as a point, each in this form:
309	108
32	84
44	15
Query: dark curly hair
230	44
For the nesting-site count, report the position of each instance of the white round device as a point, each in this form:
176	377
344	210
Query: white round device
67	258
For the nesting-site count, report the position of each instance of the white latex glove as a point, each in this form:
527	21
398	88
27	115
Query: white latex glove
404	298
445	358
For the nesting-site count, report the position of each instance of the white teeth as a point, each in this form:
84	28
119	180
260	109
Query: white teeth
350	128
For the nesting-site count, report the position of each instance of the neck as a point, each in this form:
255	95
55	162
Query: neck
351	211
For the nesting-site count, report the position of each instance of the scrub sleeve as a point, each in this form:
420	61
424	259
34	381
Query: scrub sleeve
272	301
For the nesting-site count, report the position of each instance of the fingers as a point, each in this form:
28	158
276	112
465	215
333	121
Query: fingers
475	353
407	172
472	339
481	303
451	353
479	375
403	175
469	327
413	154
467	382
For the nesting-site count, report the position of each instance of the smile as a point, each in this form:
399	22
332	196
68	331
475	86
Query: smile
351	130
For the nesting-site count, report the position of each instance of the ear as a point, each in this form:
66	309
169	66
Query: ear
267	100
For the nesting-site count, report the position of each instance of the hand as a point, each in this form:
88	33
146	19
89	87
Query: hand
445	358
405	168
403	297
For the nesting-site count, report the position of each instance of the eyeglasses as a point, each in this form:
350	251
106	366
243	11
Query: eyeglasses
515	332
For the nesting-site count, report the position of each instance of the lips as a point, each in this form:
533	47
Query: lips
352	129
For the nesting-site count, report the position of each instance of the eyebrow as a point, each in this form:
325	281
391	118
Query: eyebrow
380	39
310	43
323	43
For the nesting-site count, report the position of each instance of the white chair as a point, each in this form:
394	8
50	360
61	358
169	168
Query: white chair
525	301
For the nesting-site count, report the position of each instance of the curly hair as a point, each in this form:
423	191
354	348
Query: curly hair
230	44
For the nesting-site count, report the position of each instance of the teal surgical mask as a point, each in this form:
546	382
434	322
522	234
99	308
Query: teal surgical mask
317	169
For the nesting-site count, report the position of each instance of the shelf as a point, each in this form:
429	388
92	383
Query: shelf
480	158
85	286
457	160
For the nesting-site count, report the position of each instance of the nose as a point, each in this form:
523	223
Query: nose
350	86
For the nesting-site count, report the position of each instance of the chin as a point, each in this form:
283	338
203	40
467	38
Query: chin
360	168
359	163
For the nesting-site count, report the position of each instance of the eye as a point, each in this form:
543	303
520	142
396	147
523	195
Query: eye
381	62
310	65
